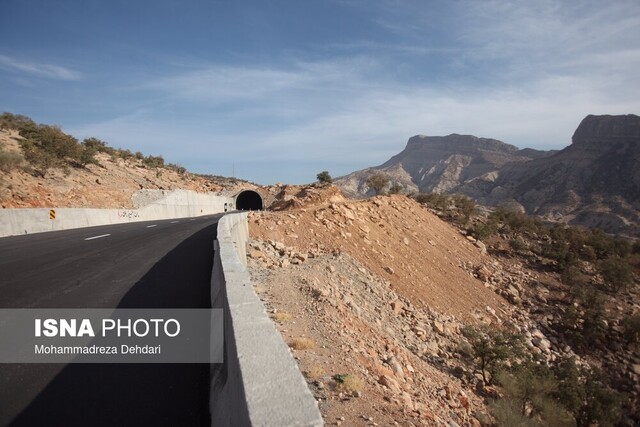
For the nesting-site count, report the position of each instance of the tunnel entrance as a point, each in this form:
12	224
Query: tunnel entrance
248	200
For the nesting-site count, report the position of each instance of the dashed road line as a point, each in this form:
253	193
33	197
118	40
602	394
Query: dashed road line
153	225
174	222
97	237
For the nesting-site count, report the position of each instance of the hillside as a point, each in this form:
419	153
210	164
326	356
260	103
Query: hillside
375	298
593	182
440	163
33	175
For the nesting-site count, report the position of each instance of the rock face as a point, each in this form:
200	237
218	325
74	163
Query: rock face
594	182
440	163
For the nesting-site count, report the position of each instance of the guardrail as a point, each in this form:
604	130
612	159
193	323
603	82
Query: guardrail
259	383
174	204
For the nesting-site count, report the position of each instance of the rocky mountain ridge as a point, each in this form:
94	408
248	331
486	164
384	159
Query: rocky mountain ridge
595	181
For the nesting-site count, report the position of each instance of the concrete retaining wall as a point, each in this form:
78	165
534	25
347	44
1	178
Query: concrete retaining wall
174	204
259	383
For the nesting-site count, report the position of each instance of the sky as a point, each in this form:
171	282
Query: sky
279	90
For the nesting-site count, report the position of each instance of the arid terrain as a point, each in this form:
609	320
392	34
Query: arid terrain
372	297
421	310
592	182
109	183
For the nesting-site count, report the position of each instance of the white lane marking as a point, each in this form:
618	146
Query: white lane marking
149	226
174	222
97	237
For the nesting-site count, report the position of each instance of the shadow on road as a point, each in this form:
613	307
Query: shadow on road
139	394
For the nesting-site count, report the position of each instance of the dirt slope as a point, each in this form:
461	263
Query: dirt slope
423	258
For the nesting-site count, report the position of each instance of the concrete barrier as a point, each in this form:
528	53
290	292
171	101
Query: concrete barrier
174	204
259	383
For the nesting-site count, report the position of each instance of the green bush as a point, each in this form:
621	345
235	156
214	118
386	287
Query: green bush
631	327
492	347
616	272
377	182
436	201
572	275
518	245
465	207
528	398
482	231
14	121
396	188
324	178
97	146
516	221
181	170
154	161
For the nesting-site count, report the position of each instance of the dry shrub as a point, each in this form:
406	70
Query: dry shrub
349	383
281	317
302	344
314	372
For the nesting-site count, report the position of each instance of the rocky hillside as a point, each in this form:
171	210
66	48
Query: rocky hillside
41	166
388	311
440	163
594	182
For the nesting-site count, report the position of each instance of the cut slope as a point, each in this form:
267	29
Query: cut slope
422	257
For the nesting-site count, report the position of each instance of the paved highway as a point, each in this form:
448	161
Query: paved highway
158	264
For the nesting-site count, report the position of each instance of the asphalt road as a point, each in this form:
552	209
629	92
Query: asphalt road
158	264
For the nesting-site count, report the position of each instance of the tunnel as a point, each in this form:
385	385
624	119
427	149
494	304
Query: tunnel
248	200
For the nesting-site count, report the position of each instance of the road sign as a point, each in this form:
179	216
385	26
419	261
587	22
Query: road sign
52	214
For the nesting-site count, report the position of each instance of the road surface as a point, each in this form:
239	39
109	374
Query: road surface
158	264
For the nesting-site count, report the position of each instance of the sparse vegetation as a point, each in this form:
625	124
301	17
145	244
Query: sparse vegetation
314	372
348	383
45	147
9	161
396	188
302	343
491	348
281	317
377	182
153	162
631	325
616	272
457	208
528	398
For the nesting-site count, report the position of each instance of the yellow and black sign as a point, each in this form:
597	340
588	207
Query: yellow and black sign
52	214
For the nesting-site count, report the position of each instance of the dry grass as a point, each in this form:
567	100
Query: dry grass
281	317
314	372
350	384
302	344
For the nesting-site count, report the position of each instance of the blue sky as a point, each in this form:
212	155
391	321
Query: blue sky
285	89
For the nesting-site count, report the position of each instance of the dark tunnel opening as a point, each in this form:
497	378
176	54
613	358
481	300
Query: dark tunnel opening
248	200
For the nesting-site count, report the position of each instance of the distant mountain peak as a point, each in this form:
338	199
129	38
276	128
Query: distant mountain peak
596	131
595	181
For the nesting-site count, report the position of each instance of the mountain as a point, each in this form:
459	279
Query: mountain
595	181
440	163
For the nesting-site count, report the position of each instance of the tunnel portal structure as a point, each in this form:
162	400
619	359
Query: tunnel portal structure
249	200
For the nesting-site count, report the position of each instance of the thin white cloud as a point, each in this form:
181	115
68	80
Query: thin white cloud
551	64
50	71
